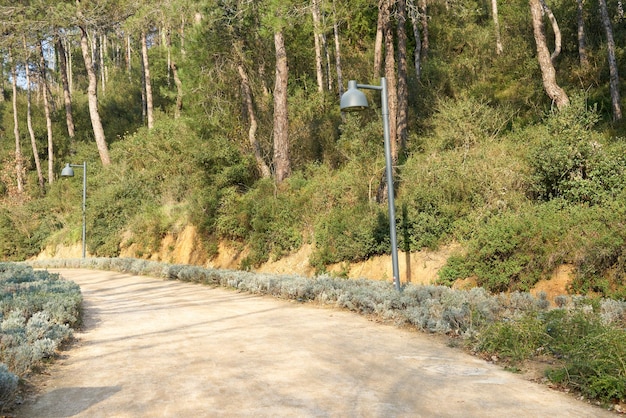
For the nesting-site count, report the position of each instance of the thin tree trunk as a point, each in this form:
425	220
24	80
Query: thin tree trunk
128	55
319	71
282	163
403	88
46	107
70	66
613	74
378	43
417	55
548	73
582	38
147	81
337	52
29	124
19	165
425	35
496	26
92	95
555	29
179	90
67	97
390	74
246	92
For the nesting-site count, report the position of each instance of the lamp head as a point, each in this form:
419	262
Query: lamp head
67	171
353	99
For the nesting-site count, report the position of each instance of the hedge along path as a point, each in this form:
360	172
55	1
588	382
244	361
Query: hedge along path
153	348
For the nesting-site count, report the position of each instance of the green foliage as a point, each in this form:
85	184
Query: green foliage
351	233
515	249
571	161
466	122
267	220
515	340
594	353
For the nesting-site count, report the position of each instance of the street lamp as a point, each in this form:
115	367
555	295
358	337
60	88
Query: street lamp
353	100
68	171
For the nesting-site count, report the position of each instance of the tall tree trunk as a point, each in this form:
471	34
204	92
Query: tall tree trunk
378	43
425	34
417	55
70	66
179	90
246	93
496	26
46	107
67	96
103	68
92	95
582	38
613	74
319	67
555	29
29	124
337	52
548	73
19	165
128	55
403	88
147	81
390	74
282	163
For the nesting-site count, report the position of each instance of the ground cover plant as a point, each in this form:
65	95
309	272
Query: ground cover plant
37	312
586	337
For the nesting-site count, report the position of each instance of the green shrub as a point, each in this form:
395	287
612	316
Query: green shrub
515	339
594	355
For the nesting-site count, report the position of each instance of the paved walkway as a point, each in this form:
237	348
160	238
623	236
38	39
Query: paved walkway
154	348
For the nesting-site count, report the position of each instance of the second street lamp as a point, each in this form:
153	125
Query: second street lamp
68	171
353	100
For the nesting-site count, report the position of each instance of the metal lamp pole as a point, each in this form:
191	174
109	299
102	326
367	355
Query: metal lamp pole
68	171
353	99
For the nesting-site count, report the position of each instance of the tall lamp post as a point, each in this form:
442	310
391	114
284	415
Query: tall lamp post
68	171
353	100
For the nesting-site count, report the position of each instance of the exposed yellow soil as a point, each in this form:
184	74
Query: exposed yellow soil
419	267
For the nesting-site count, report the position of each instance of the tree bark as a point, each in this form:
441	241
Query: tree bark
46	107
582	37
29	124
147	81
378	43
319	67
19	165
179	90
67	96
403	88
417	55
613	74
548	73
337	52
390	74
282	163
555	29
246	92
496	26
92	95
425	35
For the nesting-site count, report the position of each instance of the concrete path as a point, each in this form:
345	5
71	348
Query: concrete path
154	348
